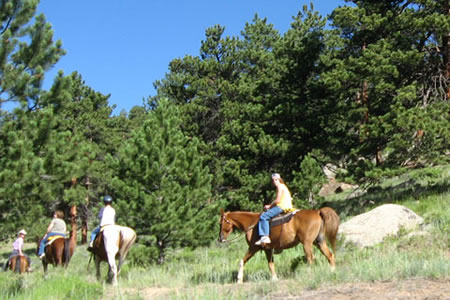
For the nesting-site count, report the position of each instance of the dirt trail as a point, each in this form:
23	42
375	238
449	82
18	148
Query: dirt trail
410	289
399	290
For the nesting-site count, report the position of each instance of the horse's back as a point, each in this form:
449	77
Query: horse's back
116	236
307	217
115	231
127	233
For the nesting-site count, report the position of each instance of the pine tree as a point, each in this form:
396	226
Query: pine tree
307	183
383	67
162	187
85	114
37	167
27	51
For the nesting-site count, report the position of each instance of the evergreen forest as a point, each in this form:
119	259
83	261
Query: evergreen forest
364	89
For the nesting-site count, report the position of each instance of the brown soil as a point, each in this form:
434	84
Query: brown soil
410	289
405	289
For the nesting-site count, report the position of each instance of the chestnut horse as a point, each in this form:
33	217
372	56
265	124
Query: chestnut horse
112	242
59	252
306	226
18	264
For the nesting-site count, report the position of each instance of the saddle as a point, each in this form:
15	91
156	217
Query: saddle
282	218
52	239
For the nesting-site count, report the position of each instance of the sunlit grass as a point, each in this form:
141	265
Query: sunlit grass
210	272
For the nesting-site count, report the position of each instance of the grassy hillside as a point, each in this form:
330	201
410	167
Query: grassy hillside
210	273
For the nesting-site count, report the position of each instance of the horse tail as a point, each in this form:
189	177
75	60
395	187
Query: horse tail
331	225
17	266
66	252
127	239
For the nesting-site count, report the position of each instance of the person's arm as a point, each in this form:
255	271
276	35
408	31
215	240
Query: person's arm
277	199
50	227
100	214
20	248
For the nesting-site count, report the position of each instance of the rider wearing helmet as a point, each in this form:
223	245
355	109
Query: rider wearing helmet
107	216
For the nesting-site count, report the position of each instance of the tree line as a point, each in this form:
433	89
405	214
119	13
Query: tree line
365	88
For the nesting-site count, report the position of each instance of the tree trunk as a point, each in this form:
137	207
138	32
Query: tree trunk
84	217
74	229
446	46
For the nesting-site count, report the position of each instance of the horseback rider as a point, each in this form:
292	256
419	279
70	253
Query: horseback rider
56	227
17	249
282	202
107	216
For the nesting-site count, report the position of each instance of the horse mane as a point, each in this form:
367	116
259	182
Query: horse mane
243	220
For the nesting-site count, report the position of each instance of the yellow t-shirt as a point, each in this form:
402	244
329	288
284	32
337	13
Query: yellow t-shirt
286	198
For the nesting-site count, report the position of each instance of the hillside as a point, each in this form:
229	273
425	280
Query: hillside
402	266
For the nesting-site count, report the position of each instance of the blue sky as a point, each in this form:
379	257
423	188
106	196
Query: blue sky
120	47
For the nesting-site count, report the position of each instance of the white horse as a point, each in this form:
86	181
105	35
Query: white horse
117	241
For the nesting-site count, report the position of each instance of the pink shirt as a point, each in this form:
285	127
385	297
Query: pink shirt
18	244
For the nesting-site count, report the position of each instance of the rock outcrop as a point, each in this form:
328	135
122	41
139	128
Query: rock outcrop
372	227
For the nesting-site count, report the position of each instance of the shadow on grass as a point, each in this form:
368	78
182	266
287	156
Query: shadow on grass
222	277
376	196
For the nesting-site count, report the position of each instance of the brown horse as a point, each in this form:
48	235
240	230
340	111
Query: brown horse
18	264
307	227
59	252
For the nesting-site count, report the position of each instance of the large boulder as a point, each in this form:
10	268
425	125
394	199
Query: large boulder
372	227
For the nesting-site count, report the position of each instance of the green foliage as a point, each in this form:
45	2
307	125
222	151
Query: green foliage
162	186
368	94
390	80
27	51
307	183
37	166
210	272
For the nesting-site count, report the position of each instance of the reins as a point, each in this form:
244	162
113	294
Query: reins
239	236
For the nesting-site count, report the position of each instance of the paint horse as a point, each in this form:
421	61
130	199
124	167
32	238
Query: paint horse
59	250
305	226
112	242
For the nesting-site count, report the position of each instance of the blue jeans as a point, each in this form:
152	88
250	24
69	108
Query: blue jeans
263	225
44	241
94	233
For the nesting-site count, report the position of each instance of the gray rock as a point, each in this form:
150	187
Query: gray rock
372	227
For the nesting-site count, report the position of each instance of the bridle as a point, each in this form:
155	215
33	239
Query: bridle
224	218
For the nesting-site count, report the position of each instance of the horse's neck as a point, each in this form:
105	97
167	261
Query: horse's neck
244	219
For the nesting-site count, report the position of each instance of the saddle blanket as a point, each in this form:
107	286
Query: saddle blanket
53	238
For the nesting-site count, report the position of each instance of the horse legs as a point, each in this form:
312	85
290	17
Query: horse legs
242	263
269	256
23	264
59	253
45	265
307	247
12	264
112	265
322	245
97	266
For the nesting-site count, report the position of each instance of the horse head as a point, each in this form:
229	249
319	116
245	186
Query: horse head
226	226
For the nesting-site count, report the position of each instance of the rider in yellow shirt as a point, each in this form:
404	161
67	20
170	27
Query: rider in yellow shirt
282	202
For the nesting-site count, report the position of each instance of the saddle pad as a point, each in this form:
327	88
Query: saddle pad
283	218
53	238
